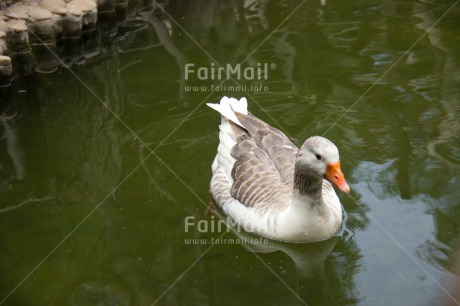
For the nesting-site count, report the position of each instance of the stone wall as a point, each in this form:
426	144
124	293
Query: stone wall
41	35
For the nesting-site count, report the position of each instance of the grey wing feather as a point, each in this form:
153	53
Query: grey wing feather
264	168
281	151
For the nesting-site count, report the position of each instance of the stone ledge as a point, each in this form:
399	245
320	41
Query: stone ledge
44	34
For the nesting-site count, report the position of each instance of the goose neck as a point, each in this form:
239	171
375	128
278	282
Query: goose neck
308	185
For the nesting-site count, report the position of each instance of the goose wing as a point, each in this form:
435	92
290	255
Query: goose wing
263	171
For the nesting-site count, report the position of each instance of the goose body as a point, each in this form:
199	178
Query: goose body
270	187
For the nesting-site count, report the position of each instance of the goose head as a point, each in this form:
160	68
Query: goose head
319	157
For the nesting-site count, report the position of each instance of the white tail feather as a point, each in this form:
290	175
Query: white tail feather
228	106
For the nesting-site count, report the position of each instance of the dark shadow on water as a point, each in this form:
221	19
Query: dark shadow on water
324	270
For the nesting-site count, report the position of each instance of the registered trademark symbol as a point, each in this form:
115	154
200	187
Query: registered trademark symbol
272	65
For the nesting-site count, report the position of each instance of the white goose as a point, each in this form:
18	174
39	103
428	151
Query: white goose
268	186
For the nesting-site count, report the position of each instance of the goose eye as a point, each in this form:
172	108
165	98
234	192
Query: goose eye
318	157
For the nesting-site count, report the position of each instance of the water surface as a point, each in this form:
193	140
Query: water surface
102	163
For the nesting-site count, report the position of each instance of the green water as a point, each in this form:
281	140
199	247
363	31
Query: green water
104	162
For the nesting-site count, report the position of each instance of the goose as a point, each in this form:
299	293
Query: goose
268	186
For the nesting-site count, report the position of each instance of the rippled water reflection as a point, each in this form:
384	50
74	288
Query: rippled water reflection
100	165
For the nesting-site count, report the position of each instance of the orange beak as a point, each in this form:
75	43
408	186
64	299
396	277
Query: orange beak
334	174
